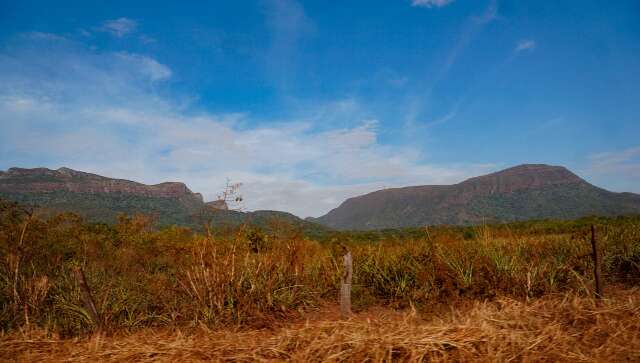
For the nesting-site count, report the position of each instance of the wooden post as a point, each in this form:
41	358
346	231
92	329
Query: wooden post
345	287
596	262
87	299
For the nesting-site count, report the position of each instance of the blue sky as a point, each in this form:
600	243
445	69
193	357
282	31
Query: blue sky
310	102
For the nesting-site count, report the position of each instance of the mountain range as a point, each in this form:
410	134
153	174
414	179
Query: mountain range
530	191
101	199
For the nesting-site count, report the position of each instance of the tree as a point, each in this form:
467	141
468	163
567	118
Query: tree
231	196
229	199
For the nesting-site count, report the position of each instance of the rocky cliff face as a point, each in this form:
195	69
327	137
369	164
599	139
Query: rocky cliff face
38	180
522	192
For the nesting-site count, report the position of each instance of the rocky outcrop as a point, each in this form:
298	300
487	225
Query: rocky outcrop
217	205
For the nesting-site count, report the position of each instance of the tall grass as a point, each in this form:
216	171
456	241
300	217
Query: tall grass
142	277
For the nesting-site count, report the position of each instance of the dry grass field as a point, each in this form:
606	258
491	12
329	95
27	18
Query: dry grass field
515	292
557	328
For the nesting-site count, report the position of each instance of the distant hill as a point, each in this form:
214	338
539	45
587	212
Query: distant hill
101	199
531	191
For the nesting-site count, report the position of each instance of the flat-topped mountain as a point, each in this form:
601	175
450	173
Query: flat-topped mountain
522	177
531	191
65	179
101	199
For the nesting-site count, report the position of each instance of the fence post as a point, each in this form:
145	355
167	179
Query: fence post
596	263
345	286
87	299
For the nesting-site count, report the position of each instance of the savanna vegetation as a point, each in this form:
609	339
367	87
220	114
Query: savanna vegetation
513	291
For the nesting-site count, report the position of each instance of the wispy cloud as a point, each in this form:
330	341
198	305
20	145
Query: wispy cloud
147	39
448	117
489	14
419	101
618	168
471	29
627	160
147	66
525	45
96	111
288	24
431	3
43	36
119	27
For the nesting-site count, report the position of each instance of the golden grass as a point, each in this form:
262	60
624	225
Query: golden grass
556	328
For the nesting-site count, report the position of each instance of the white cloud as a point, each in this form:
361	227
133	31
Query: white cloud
619	169
97	112
431	3
148	66
615	161
119	27
525	45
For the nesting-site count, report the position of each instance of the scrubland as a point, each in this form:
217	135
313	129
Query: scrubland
521	291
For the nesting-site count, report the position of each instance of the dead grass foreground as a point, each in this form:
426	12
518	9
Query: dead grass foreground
554	328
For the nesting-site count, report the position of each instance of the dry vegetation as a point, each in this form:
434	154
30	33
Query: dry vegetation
561	327
516	292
